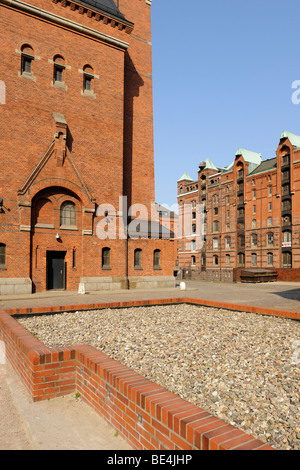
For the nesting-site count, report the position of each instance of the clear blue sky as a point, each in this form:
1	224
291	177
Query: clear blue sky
222	79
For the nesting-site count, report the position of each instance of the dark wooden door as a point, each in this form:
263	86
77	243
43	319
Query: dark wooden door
56	270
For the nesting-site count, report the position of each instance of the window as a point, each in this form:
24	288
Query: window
215	260
241	212
58	70
254	209
227	242
74	258
241	259
193	260
216	210
227	199
106	258
270	221
270	259
270	238
215	226
286	205
138	258
285	175
254	194
286	190
270	191
2	255
286	220
227	227
26	59
68	214
215	243
254	239
287	259
194	228
254	259
156	259
287	236
193	245
270	206
88	78
227	261
227	213
241	240
285	159
253	223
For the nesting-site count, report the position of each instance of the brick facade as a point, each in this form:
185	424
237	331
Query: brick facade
251	215
77	133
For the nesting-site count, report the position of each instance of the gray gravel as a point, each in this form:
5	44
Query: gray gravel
242	367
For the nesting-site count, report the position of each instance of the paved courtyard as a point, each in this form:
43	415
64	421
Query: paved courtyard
280	295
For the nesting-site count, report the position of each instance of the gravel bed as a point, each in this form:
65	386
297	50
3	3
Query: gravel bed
242	367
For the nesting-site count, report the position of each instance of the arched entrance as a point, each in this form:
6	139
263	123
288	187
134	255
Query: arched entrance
56	237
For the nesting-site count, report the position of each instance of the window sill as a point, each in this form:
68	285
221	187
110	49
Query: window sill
2	266
28	76
157	268
41	225
60	85
88	93
68	227
138	268
106	268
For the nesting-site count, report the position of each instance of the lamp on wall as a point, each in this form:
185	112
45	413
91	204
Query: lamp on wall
57	236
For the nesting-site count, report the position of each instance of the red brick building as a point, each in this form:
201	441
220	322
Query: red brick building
251	218
76	147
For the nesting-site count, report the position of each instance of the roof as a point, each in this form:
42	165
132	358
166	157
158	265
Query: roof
293	138
250	157
107	6
185	177
266	165
210	165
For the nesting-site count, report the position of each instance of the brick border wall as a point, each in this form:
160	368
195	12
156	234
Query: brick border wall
147	415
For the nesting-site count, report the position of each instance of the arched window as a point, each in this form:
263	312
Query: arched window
138	258
88	78
193	260
27	57
254	259
241	260
270	259
227	261
270	239
105	258
156	259
215	260
254	239
2	255
58	69
68	214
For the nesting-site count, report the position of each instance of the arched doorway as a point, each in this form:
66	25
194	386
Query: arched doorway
56	234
